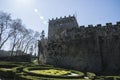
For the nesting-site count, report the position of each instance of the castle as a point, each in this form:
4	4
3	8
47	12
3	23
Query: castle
61	24
91	48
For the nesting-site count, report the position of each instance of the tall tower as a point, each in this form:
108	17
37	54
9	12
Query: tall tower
61	23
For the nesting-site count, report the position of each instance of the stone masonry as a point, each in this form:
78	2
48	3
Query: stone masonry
91	48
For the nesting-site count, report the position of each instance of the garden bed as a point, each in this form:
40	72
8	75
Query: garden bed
29	71
53	72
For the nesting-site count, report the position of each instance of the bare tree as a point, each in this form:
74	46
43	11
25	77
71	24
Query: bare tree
36	38
32	41
17	31
20	43
27	41
5	22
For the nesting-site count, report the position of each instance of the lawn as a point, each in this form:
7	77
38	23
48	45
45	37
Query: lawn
51	72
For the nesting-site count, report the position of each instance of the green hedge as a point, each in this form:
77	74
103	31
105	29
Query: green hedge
27	70
8	65
21	71
28	77
6	73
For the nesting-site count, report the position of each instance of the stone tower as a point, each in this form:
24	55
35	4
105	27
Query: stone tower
61	24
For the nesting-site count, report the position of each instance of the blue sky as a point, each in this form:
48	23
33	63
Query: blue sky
36	13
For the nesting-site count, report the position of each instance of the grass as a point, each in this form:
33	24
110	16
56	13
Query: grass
54	72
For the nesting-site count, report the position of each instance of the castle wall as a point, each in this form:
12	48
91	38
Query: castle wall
92	48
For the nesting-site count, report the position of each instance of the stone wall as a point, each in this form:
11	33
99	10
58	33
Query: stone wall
61	24
92	48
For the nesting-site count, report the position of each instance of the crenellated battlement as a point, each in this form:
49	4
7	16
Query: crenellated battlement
107	30
100	25
61	23
118	23
61	18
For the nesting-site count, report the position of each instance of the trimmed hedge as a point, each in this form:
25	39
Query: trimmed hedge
27	70
6	73
6	69
21	71
28	77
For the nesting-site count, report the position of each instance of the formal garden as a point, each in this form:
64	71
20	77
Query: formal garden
34	71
